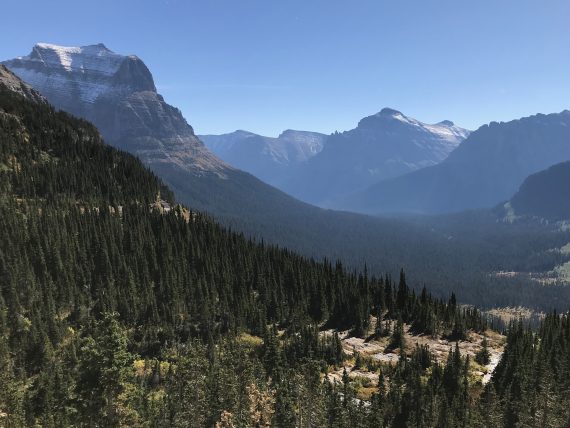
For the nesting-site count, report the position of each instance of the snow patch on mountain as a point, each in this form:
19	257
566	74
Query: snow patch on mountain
87	72
84	59
445	130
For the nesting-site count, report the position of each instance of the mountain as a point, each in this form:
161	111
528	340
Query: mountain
246	204
486	169
385	145
272	160
117	94
545	194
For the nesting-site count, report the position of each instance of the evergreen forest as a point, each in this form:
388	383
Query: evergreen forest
120	307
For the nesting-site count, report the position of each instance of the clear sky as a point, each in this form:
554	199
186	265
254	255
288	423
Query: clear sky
321	65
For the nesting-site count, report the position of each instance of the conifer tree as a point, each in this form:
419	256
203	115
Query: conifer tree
483	356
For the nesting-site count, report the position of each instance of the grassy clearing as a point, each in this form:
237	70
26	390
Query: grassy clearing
250	340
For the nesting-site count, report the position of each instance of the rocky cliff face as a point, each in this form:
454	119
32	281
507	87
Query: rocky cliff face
382	146
117	93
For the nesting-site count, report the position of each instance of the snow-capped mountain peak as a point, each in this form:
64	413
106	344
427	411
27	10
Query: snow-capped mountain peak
117	93
91	58
446	131
88	72
387	111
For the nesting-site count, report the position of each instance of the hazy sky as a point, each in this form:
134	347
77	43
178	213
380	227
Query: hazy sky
321	65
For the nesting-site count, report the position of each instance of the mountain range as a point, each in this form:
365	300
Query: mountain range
486	169
321	169
134	117
272	160
385	145
425	169
131	115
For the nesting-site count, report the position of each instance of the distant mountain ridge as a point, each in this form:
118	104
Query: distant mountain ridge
270	159
486	169
385	145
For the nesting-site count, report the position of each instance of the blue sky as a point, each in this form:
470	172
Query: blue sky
321	65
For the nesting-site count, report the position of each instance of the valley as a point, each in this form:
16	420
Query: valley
329	264
457	253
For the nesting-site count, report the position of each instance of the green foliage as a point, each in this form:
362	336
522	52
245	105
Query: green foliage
483	357
532	377
103	368
397	340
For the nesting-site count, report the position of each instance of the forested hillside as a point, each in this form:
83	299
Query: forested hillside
117	93
120	308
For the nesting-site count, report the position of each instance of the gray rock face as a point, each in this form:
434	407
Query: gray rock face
485	170
273	160
382	146
117	93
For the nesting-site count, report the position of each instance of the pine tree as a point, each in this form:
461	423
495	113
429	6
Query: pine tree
105	368
397	341
285	412
483	356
